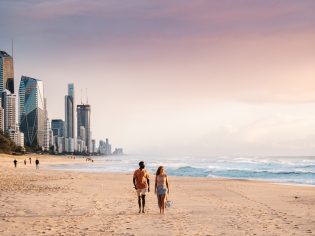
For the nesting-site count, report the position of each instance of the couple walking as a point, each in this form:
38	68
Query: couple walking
141	181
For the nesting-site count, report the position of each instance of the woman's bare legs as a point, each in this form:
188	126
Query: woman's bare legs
159	202
163	202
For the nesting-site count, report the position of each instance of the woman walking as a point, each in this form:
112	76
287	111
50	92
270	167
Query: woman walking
161	187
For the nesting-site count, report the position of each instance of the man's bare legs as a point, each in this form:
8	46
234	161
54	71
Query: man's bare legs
141	203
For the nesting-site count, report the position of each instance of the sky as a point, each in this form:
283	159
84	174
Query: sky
175	77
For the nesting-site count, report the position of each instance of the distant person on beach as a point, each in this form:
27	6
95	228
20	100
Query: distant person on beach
37	163
15	162
161	187
141	182
30	160
24	161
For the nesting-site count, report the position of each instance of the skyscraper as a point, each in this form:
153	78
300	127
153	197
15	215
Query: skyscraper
69	113
9	105
6	72
83	119
57	126
1	120
32	111
46	128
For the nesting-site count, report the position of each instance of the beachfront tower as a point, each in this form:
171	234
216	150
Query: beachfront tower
70	113
6	72
8	101
32	116
58	126
83	119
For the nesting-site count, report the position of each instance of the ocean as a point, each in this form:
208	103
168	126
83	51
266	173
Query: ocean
294	170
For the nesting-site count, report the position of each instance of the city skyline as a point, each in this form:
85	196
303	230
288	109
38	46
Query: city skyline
201	77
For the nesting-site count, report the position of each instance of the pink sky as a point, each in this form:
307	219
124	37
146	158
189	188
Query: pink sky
176	77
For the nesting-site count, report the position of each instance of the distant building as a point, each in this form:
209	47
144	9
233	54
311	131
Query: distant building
20	139
32	111
9	105
94	149
57	126
16	136
84	119
59	144
1	120
6	72
70	113
81	147
46	128
51	138
118	151
69	145
105	148
82	133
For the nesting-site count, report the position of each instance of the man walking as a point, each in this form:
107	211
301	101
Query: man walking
141	182
37	164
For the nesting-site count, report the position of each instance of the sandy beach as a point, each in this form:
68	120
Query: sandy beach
50	202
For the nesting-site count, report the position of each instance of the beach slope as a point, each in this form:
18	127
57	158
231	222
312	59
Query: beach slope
47	202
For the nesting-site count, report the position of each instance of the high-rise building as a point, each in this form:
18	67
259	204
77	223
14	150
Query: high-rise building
46	128
6	72
57	126
105	148
82	133
9	105
94	146
59	144
51	138
1	120
16	136
81	145
32	111
83	119
69	145
70	113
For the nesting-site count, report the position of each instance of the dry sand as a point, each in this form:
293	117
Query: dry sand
47	202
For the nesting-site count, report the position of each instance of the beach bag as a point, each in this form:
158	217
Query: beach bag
168	204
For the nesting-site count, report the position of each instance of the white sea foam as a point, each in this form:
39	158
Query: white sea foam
277	169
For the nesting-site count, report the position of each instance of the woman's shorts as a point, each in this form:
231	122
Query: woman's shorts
161	190
141	191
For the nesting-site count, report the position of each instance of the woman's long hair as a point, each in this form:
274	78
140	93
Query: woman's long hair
158	172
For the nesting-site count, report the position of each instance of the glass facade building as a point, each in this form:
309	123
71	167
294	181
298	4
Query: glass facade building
32	115
8	101
84	119
6	72
57	126
69	112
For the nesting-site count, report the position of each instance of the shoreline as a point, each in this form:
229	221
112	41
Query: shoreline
62	158
51	202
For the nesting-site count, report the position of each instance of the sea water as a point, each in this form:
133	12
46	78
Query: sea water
297	170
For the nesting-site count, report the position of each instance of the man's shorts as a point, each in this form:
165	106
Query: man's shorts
141	191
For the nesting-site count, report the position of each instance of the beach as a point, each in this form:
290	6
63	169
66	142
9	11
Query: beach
54	202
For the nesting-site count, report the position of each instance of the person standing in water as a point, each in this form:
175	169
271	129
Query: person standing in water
30	160
15	162
141	182
25	162
37	163
161	188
